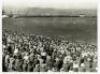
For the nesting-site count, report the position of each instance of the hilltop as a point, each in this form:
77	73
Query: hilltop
49	12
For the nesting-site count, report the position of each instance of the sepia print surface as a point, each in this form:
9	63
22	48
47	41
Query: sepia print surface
49	36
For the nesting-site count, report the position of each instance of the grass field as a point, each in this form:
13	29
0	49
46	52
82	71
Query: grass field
78	28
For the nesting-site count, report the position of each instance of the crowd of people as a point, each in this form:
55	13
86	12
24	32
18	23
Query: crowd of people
22	52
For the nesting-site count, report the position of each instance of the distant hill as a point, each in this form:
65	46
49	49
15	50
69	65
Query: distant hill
49	12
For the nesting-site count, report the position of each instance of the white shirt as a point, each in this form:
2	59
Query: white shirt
75	65
43	53
16	51
82	65
26	58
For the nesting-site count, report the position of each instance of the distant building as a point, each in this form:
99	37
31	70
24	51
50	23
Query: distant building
82	15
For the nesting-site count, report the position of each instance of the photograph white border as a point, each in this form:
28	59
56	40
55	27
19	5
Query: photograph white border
98	32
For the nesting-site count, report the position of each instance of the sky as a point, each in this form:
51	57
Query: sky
58	4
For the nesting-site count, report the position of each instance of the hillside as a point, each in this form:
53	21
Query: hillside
49	12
